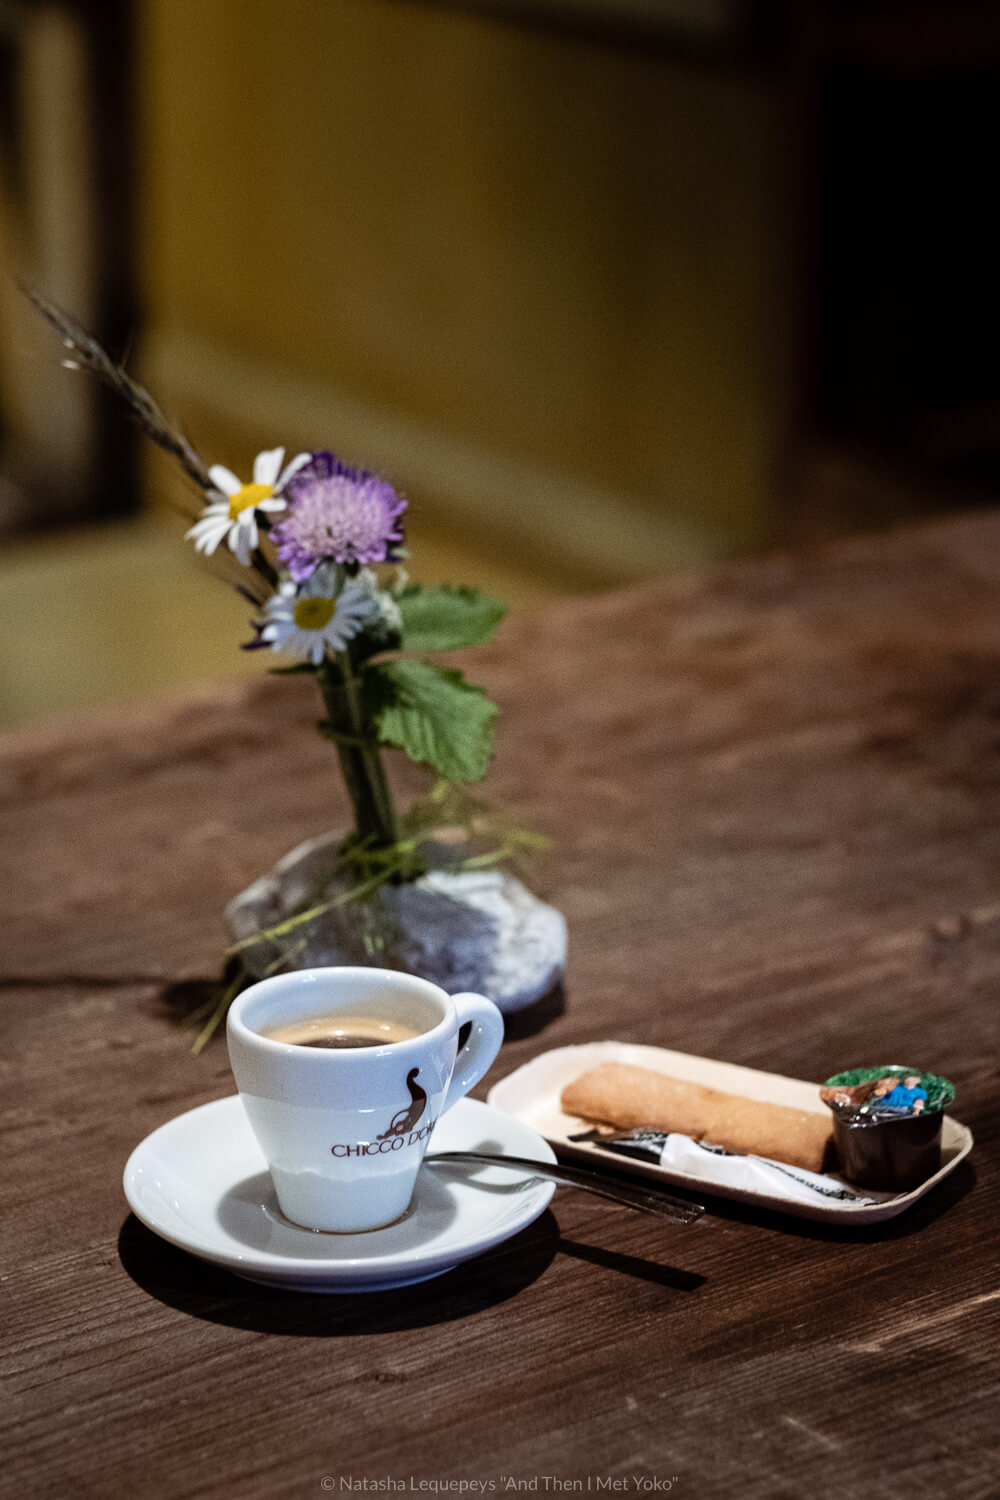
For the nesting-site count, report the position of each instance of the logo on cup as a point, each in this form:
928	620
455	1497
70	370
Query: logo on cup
402	1128
405	1119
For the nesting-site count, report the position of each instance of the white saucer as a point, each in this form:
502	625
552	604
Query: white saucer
201	1182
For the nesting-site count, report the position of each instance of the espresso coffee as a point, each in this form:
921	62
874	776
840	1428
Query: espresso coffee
342	1032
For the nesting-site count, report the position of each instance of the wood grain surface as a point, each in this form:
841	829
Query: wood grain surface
775	794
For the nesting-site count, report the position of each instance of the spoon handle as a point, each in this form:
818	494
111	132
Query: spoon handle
590	1179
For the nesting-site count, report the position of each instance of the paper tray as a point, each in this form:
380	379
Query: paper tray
532	1094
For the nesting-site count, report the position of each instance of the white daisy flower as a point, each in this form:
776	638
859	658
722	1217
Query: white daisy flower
308	619
233	508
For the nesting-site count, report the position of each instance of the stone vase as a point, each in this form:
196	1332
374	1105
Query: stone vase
482	931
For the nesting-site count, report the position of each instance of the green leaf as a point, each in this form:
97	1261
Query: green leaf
432	714
445	618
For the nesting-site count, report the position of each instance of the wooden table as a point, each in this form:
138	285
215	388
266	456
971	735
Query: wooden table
775	791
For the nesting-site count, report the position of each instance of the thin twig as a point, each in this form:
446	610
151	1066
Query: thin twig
225	1000
88	352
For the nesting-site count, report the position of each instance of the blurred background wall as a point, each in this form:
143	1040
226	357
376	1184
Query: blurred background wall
608	287
530	276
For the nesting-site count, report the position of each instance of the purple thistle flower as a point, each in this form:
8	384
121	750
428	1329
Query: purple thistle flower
336	511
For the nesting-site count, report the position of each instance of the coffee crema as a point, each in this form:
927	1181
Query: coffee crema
342	1032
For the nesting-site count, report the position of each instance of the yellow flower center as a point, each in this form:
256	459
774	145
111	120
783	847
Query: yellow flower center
247	495
313	614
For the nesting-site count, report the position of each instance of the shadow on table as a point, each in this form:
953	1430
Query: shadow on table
535	1017
670	1277
951	1191
180	1280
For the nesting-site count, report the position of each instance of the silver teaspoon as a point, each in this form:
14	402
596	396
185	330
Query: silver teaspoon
590	1179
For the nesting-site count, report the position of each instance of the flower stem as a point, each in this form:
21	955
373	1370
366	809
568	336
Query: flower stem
360	762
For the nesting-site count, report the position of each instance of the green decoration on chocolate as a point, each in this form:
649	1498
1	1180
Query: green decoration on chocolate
940	1093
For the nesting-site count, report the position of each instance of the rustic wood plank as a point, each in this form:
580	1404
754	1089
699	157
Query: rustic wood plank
775	791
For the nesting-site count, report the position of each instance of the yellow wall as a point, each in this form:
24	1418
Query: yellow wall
531	278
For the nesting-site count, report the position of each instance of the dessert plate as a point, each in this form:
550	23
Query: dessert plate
531	1095
201	1182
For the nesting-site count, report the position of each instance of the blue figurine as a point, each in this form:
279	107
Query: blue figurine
905	1097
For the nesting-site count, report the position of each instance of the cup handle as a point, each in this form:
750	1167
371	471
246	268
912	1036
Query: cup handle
481	1047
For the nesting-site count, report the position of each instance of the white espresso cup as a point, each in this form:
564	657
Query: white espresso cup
344	1131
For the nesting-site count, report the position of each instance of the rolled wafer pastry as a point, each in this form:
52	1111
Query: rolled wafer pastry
618	1094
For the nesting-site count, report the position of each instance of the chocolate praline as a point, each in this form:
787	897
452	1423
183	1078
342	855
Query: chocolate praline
887	1132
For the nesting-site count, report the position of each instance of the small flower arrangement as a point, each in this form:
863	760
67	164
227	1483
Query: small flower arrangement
314	531
318	548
